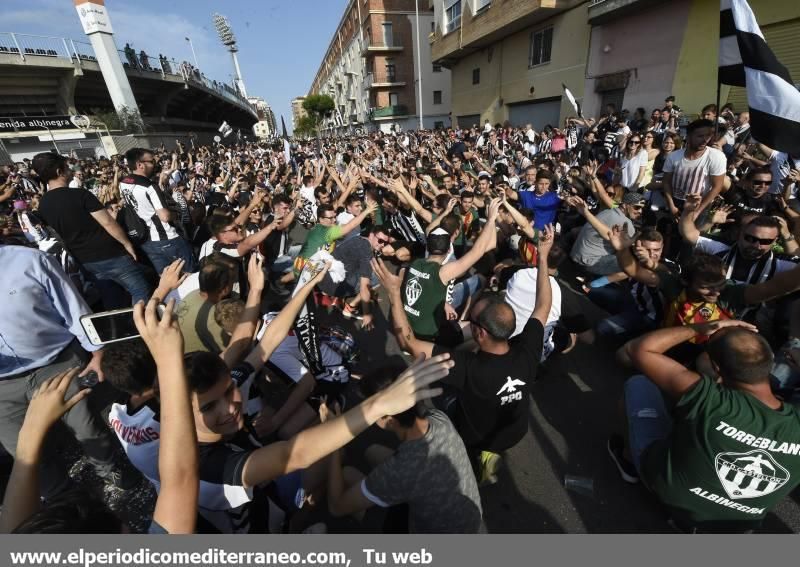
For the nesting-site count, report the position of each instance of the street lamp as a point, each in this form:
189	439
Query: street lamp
229	40
194	55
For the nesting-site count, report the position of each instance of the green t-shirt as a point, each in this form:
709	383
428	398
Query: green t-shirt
729	457
468	226
423	297
320	237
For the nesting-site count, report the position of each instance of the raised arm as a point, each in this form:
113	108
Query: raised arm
520	220
398	186
622	244
315	443
484	243
402	329
580	205
242	335
544	297
178	461
686	225
354	223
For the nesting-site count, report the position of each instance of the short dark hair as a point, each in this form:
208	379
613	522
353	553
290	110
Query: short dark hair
438	243
381	378
218	222
322	209
49	165
741	355
380	229
697	124
134	155
281	198
451	223
351	199
705	268
129	366
497	318
467	195
544	175
391	198
215	276
320	190
556	256
203	370
651	235
442	200
765	170
764	221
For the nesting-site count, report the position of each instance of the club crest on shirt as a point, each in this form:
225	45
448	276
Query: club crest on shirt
750	475
413	291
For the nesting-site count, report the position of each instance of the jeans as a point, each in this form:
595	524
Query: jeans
163	252
94	436
464	289
285	264
124	271
648	418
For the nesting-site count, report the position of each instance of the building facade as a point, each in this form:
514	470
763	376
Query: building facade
374	73
266	126
297	110
642	51
509	58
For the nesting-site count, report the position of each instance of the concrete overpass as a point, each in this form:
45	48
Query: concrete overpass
42	75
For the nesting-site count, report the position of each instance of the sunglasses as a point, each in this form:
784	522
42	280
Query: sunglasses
759	182
634	142
713	287
330	218
754	239
383	241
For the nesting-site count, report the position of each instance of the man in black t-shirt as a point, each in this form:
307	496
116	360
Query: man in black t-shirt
88	232
491	385
753	196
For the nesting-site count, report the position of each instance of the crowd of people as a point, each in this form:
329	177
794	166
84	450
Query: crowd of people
252	269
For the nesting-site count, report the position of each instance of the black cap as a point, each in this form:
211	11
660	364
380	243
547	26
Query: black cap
670	98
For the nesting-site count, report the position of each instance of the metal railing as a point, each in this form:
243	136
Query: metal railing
389	111
25	46
370	79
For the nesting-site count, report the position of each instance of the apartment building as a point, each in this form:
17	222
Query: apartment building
642	51
297	110
375	74
509	58
266	126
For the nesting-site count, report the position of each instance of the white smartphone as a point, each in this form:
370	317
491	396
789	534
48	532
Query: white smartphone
111	326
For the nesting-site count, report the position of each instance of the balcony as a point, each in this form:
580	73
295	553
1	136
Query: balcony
382	81
369	48
388	112
463	33
603	11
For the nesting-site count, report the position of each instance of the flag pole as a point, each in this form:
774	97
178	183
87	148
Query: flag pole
716	125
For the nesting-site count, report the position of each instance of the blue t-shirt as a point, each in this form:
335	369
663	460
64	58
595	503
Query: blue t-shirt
545	207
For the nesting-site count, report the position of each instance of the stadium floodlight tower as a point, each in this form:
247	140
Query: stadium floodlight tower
229	40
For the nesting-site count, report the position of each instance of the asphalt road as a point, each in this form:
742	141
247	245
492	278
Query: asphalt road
573	408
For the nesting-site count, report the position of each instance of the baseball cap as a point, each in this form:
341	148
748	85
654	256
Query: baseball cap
632	198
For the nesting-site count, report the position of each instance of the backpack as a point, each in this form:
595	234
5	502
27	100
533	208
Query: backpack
133	225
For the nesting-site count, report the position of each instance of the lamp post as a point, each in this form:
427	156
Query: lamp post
229	40
419	66
194	55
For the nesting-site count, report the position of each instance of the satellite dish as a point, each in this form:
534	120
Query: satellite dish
217	139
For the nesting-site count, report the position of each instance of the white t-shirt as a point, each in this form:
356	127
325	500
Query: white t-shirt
630	168
208	248
521	297
139	434
693	177
307	194
781	164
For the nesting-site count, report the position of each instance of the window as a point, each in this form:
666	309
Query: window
387	34
437	68
437	97
393	99
391	71
452	18
476	76
481	5
541	47
438	125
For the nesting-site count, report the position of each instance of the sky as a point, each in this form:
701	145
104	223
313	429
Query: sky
281	42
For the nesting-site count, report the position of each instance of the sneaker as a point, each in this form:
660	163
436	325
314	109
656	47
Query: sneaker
351	312
490	464
616	447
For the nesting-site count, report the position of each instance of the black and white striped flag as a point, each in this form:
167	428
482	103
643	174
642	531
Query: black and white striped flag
745	60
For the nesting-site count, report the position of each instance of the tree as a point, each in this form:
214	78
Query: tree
305	127
318	107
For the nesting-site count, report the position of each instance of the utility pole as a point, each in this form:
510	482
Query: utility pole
419	67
